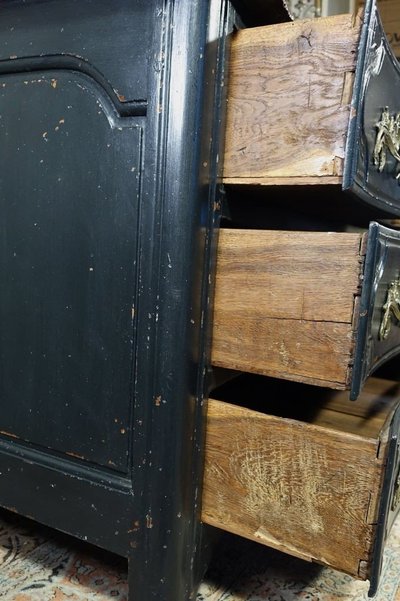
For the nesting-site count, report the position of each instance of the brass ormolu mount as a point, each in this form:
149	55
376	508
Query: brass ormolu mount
391	306
387	139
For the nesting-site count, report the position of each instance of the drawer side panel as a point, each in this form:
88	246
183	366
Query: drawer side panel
289	100
284	304
298	488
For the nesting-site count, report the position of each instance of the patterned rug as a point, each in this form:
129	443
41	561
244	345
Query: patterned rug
38	564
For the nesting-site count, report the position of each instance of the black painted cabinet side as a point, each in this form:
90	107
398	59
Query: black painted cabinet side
178	214
126	202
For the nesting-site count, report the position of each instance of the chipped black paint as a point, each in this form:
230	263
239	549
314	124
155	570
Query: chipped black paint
110	127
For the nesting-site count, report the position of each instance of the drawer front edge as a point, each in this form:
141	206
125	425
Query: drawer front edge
369	174
389	504
378	332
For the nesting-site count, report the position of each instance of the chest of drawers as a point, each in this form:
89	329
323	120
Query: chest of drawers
111	117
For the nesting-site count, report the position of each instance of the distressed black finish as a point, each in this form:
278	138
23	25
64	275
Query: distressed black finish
96	36
110	121
377	85
382	267
171	363
69	238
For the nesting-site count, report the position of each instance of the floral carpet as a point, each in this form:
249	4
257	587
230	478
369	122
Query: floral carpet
38	564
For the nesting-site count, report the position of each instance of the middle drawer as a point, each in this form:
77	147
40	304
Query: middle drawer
315	307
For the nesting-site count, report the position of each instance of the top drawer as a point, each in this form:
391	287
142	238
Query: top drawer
316	102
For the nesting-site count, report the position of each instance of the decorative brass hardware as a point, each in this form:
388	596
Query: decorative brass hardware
396	493
387	139
392	305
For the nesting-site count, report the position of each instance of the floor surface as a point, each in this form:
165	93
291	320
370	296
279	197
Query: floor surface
38	564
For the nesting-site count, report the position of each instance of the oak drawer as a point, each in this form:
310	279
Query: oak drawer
307	473
314	307
307	105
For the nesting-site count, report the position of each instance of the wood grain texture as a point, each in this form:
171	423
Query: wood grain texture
390	14
367	417
289	98
301	488
313	353
284	303
389	11
283	181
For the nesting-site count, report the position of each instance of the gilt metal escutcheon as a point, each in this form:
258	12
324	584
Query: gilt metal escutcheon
396	493
387	140
391	306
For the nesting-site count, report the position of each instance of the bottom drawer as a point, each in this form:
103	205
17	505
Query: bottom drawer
304	471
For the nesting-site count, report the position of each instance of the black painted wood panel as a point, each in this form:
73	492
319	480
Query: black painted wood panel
74	28
69	188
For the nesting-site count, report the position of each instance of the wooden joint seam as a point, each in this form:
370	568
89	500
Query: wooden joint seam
363	570
370	520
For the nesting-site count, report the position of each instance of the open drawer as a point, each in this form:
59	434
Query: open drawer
316	102
304	471
321	308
